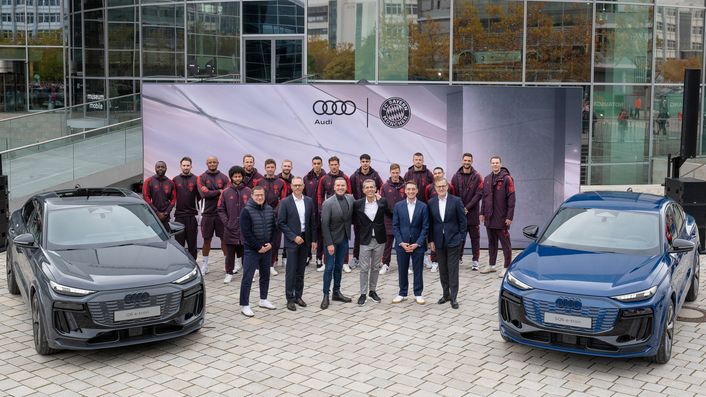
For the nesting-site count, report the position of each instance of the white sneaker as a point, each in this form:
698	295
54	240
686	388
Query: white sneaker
399	298
228	278
247	311
460	261
346	268
320	268
266	304
319	263
410	271
273	272
204	268
420	300
434	267
486	269
501	272
384	269
474	266
427	261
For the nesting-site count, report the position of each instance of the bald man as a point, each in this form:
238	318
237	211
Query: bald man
159	193
211	184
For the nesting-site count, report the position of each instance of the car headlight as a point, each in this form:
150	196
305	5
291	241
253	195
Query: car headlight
516	283
188	277
64	290
637	296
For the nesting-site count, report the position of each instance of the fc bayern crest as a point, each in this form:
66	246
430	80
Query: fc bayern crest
395	112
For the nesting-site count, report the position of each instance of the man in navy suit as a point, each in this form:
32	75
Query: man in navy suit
410	223
447	230
296	220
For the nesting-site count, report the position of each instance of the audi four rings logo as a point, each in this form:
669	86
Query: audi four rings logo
566	303
137	298
331	108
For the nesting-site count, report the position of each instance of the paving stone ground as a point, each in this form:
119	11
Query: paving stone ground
374	350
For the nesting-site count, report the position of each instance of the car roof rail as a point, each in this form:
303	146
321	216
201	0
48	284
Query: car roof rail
94	191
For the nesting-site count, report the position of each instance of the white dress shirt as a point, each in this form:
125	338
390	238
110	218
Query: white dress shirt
301	210
410	208
371	209
442	207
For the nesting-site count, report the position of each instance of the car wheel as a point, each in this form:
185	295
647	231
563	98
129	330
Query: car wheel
11	280
40	338
664	352
694	286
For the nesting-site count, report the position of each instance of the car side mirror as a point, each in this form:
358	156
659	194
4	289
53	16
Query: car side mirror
176	228
530	231
25	240
681	246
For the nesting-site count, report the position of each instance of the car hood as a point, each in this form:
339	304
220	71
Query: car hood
586	273
119	267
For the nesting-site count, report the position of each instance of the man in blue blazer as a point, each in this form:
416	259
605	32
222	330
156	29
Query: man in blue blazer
447	231
296	219
410	223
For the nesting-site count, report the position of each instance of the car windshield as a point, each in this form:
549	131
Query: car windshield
103	225
602	230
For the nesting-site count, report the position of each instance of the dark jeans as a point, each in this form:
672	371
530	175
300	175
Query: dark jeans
387	253
254	260
231	251
294	277
448	258
504	236
417	258
474	234
334	266
188	236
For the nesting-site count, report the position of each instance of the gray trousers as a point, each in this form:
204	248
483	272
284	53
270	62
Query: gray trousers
369	259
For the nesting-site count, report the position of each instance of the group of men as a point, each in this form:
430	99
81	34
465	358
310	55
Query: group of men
251	213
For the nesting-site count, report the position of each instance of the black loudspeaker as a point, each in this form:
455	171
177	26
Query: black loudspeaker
4	212
685	190
690	113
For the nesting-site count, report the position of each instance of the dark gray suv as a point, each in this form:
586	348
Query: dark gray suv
98	269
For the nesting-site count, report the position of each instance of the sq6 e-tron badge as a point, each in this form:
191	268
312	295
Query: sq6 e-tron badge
395	112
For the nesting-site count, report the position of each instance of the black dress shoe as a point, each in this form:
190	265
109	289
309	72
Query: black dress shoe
291	306
361	300
324	303
301	302
442	300
338	296
374	296
454	304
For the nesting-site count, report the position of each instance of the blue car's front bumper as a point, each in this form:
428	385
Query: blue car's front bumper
616	329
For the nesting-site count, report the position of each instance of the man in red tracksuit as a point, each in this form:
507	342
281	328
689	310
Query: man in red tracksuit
311	186
497	211
325	190
419	173
230	204
187	196
251	176
392	191
359	176
430	191
211	183
286	175
159	193
469	186
275	190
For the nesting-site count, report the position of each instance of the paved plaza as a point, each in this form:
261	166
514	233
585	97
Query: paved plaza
347	350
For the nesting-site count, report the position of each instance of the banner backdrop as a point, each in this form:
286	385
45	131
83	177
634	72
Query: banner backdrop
535	130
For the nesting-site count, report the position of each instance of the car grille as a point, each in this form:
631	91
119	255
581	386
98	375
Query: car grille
102	312
603	319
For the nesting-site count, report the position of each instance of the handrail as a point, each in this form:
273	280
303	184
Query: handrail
66	108
67	136
308	76
193	80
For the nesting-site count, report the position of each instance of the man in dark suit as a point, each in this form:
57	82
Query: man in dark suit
336	217
410	223
369	213
447	230
296	220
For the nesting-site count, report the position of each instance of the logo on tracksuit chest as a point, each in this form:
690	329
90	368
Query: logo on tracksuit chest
191	186
220	184
167	188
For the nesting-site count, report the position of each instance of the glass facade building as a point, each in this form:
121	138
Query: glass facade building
628	57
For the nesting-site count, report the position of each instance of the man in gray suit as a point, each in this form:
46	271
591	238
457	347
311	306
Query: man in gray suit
336	216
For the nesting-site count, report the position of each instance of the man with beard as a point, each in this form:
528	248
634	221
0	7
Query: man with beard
392	191
336	217
420	174
159	193
275	190
286	175
497	211
187	196
326	190
230	204
251	176
360	175
311	185
469	187
211	183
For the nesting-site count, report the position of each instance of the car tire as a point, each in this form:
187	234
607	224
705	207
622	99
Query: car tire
40	338
666	338
694	285
12	286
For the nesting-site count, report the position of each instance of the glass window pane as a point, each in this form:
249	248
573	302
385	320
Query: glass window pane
623	43
288	60
95	63
679	35
667	120
163	64
94	34
559	41
273	17
95	91
258	61
44	25
46	73
214	37
414	40
620	174
123	63
123	36
488	40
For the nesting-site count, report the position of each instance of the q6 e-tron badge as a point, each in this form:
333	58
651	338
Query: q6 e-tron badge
395	112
